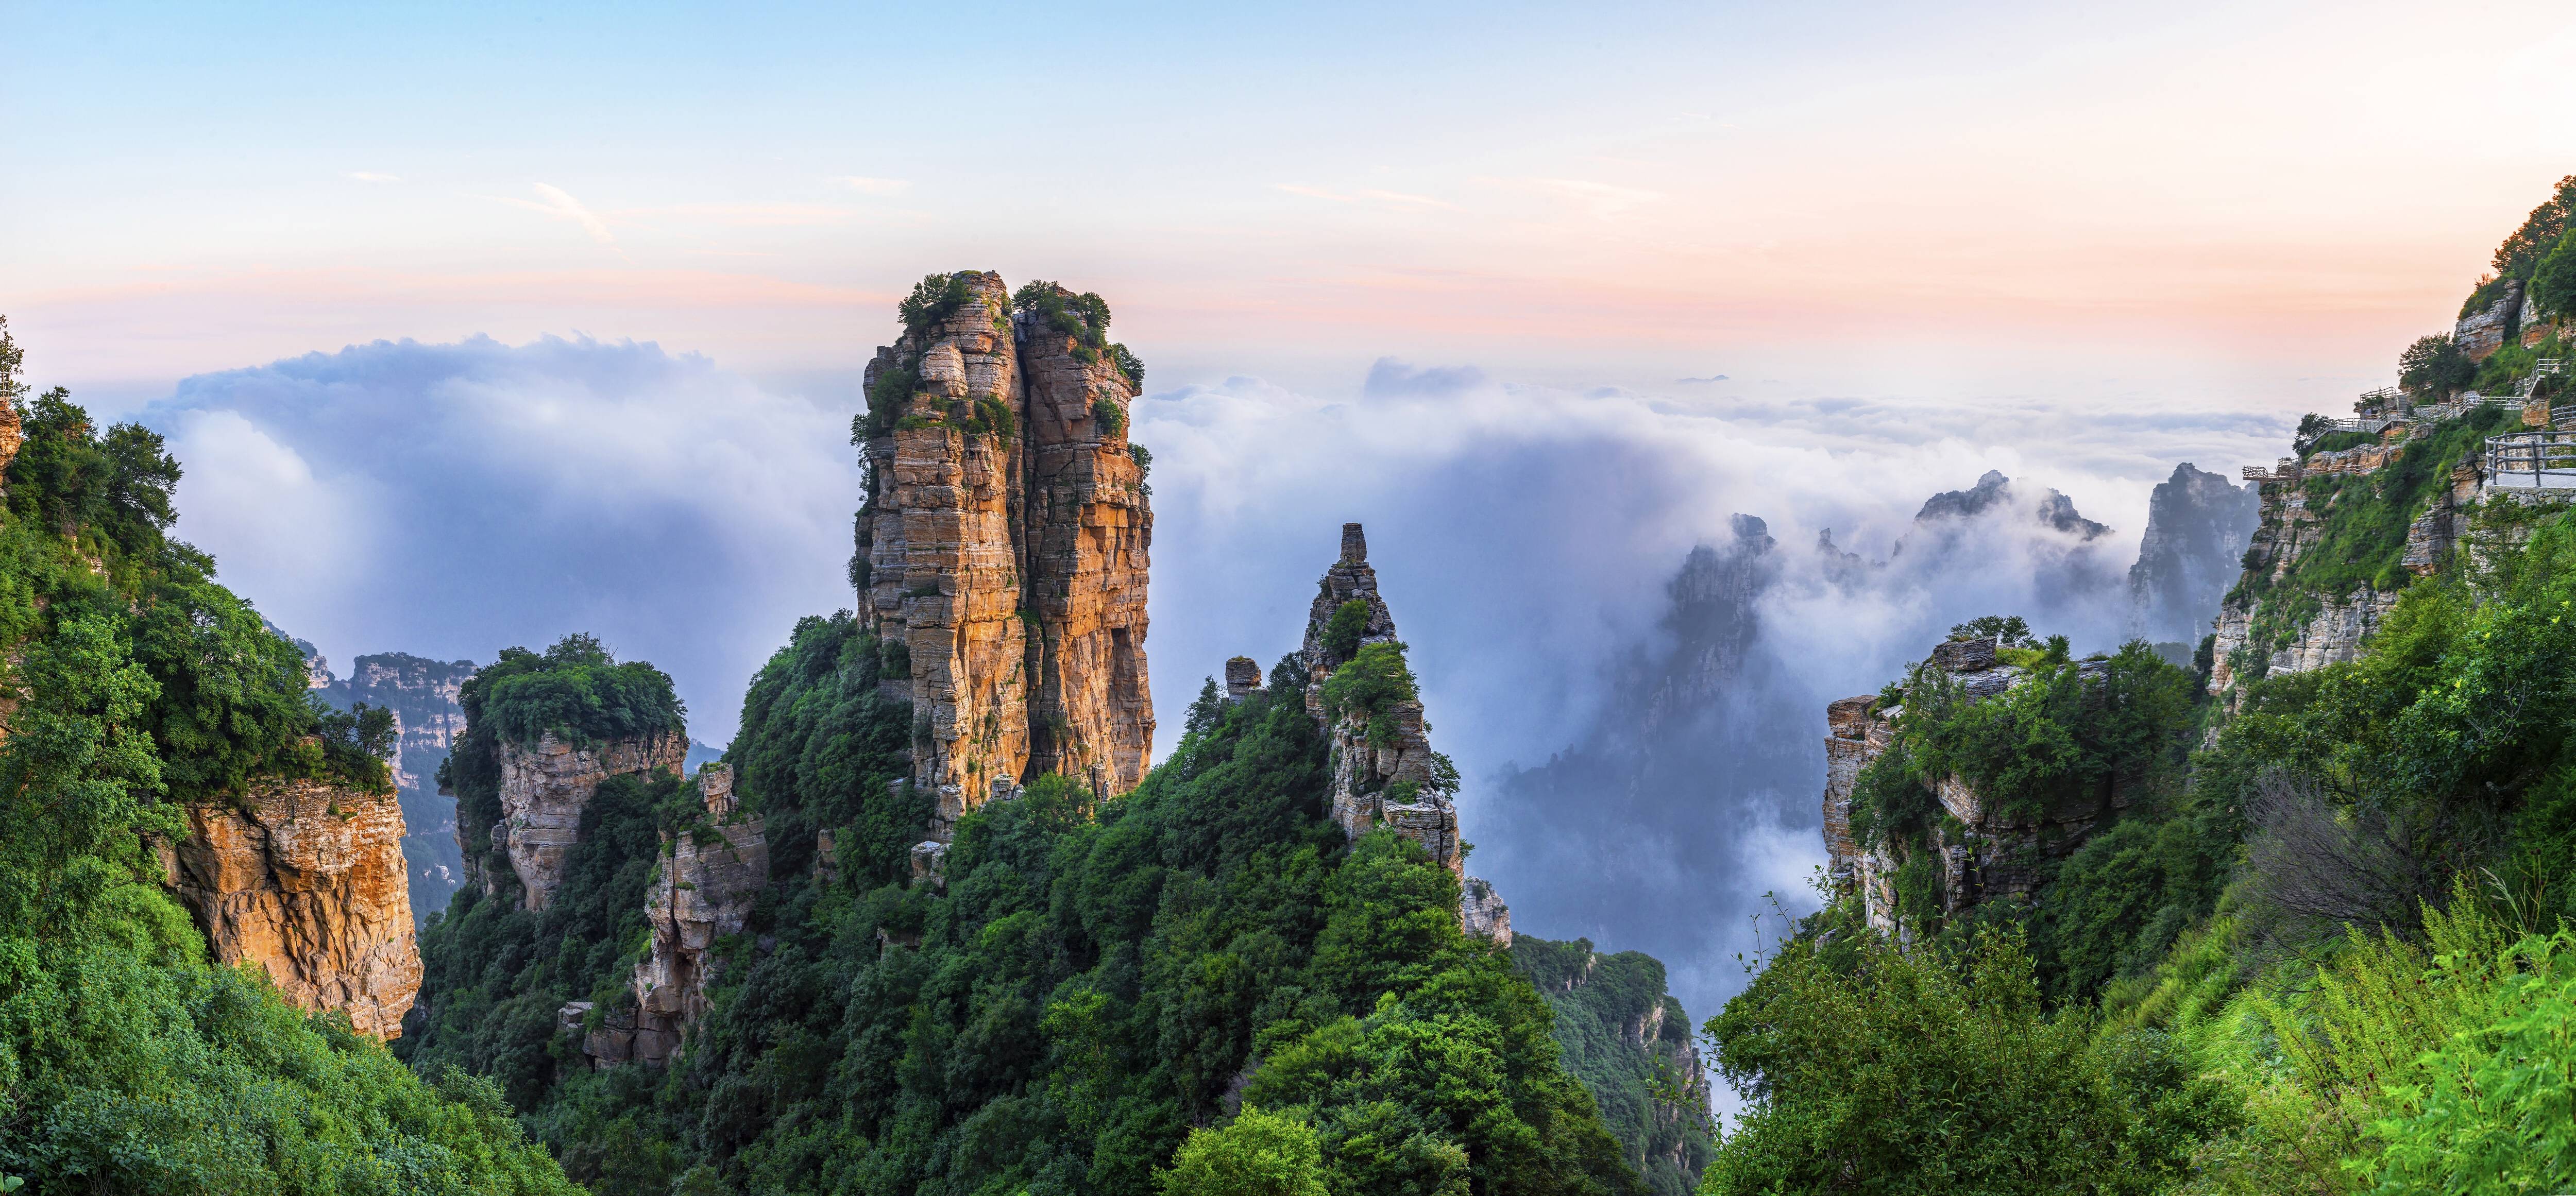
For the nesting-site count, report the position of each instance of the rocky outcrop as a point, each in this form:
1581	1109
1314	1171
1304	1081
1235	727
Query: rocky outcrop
1003	545
1982	850
1384	773
703	891
544	788
2198	525
1482	914
2480	333
2252	642
1085	532
1243	678
305	880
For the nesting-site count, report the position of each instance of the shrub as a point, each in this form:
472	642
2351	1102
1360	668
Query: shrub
1342	632
1110	416
1369	685
935	298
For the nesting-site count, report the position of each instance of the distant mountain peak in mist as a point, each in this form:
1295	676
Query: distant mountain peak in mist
1995	490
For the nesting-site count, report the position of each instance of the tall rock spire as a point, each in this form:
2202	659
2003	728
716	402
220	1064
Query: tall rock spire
1384	772
1003	545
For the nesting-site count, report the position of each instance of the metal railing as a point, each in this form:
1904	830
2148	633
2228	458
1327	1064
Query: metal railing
2532	461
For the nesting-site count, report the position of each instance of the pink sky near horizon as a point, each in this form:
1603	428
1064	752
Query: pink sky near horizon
2255	203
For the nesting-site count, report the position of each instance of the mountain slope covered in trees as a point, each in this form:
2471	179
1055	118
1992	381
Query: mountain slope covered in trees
136	683
2317	939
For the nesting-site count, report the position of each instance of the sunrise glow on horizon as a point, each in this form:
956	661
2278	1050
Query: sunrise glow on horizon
1872	197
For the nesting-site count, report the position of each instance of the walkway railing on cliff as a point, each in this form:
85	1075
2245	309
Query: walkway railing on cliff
2532	461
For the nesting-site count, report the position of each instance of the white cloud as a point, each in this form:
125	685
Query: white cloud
372	176
868	186
452	500
560	204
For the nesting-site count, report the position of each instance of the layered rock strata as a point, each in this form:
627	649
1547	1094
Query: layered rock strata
1003	546
544	788
305	880
1982	851
1384	772
703	891
2480	333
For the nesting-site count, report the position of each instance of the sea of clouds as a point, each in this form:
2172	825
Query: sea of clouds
453	499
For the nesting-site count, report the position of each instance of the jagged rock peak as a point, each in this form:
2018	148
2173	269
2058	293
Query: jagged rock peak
1351	579
1384	772
1994	489
1003	545
2198	526
305	880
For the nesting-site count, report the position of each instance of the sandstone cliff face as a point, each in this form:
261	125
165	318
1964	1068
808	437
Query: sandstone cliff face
306	880
1009	561
543	790
1086	530
1990	852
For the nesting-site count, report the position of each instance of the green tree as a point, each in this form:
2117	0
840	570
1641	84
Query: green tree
1876	1068
1257	1154
2434	366
2541	231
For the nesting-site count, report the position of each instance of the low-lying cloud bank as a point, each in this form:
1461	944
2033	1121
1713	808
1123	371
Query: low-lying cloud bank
450	500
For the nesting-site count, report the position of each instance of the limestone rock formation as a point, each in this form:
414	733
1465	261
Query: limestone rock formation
1982	850
1482	914
704	891
1003	546
2286	532
2480	333
1384	772
306	880
2198	525
543	790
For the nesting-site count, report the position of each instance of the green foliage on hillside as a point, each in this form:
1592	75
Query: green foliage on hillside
127	1062
1883	1069
1085	318
2056	744
1093	982
2542	231
2433	367
936	297
1342	632
2361	539
1642	1086
2333	958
